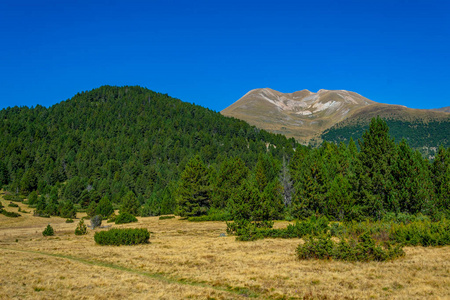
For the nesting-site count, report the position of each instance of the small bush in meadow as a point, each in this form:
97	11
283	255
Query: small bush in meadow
166	217
10	214
81	228
424	233
124	218
12	204
117	237
48	231
362	249
69	221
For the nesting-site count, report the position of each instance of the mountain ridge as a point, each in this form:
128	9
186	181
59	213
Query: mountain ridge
305	115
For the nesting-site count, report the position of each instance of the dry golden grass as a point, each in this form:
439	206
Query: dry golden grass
191	260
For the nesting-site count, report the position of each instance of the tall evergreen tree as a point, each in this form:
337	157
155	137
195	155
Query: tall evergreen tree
374	176
229	177
194	191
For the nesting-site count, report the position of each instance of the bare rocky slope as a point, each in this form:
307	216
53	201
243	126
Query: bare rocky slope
305	115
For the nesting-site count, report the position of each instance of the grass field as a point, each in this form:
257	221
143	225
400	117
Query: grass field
191	260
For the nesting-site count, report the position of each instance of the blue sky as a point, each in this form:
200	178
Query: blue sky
212	52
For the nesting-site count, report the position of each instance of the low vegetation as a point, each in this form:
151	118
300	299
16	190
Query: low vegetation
117	237
48	231
364	248
81	228
124	218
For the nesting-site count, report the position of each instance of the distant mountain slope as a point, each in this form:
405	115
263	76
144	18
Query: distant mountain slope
305	115
445	109
302	115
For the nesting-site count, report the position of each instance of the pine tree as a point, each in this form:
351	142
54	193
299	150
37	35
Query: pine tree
130	204
441	179
104	207
374	174
194	189
230	176
4	175
413	190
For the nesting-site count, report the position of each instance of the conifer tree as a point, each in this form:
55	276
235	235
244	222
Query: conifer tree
194	189
104	207
4	175
413	190
130	204
374	174
229	178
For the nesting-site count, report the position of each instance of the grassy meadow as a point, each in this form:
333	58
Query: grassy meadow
191	260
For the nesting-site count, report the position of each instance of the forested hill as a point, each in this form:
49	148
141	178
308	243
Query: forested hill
113	140
425	136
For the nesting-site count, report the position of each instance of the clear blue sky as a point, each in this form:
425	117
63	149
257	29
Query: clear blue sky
212	52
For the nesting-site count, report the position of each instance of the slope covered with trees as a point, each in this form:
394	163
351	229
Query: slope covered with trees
113	141
425	136
149	154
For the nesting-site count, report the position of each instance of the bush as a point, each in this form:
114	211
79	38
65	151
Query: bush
96	221
69	221
119	237
81	228
363	249
10	214
166	217
425	233
15	198
12	204
213	215
125	218
48	231
247	231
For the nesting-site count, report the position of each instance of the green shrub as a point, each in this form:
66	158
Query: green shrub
69	221
10	214
249	231
119	237
12	204
15	198
166	217
213	215
425	233
125	218
48	231
81	228
362	249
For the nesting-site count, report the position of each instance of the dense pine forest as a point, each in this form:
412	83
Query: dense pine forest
149	154
420	135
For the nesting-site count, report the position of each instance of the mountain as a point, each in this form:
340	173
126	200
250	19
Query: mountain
445	109
302	115
305	115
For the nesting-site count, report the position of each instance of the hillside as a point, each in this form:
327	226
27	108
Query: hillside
306	116
115	139
444	109
302	115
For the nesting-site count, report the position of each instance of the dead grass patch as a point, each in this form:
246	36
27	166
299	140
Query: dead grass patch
201	263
